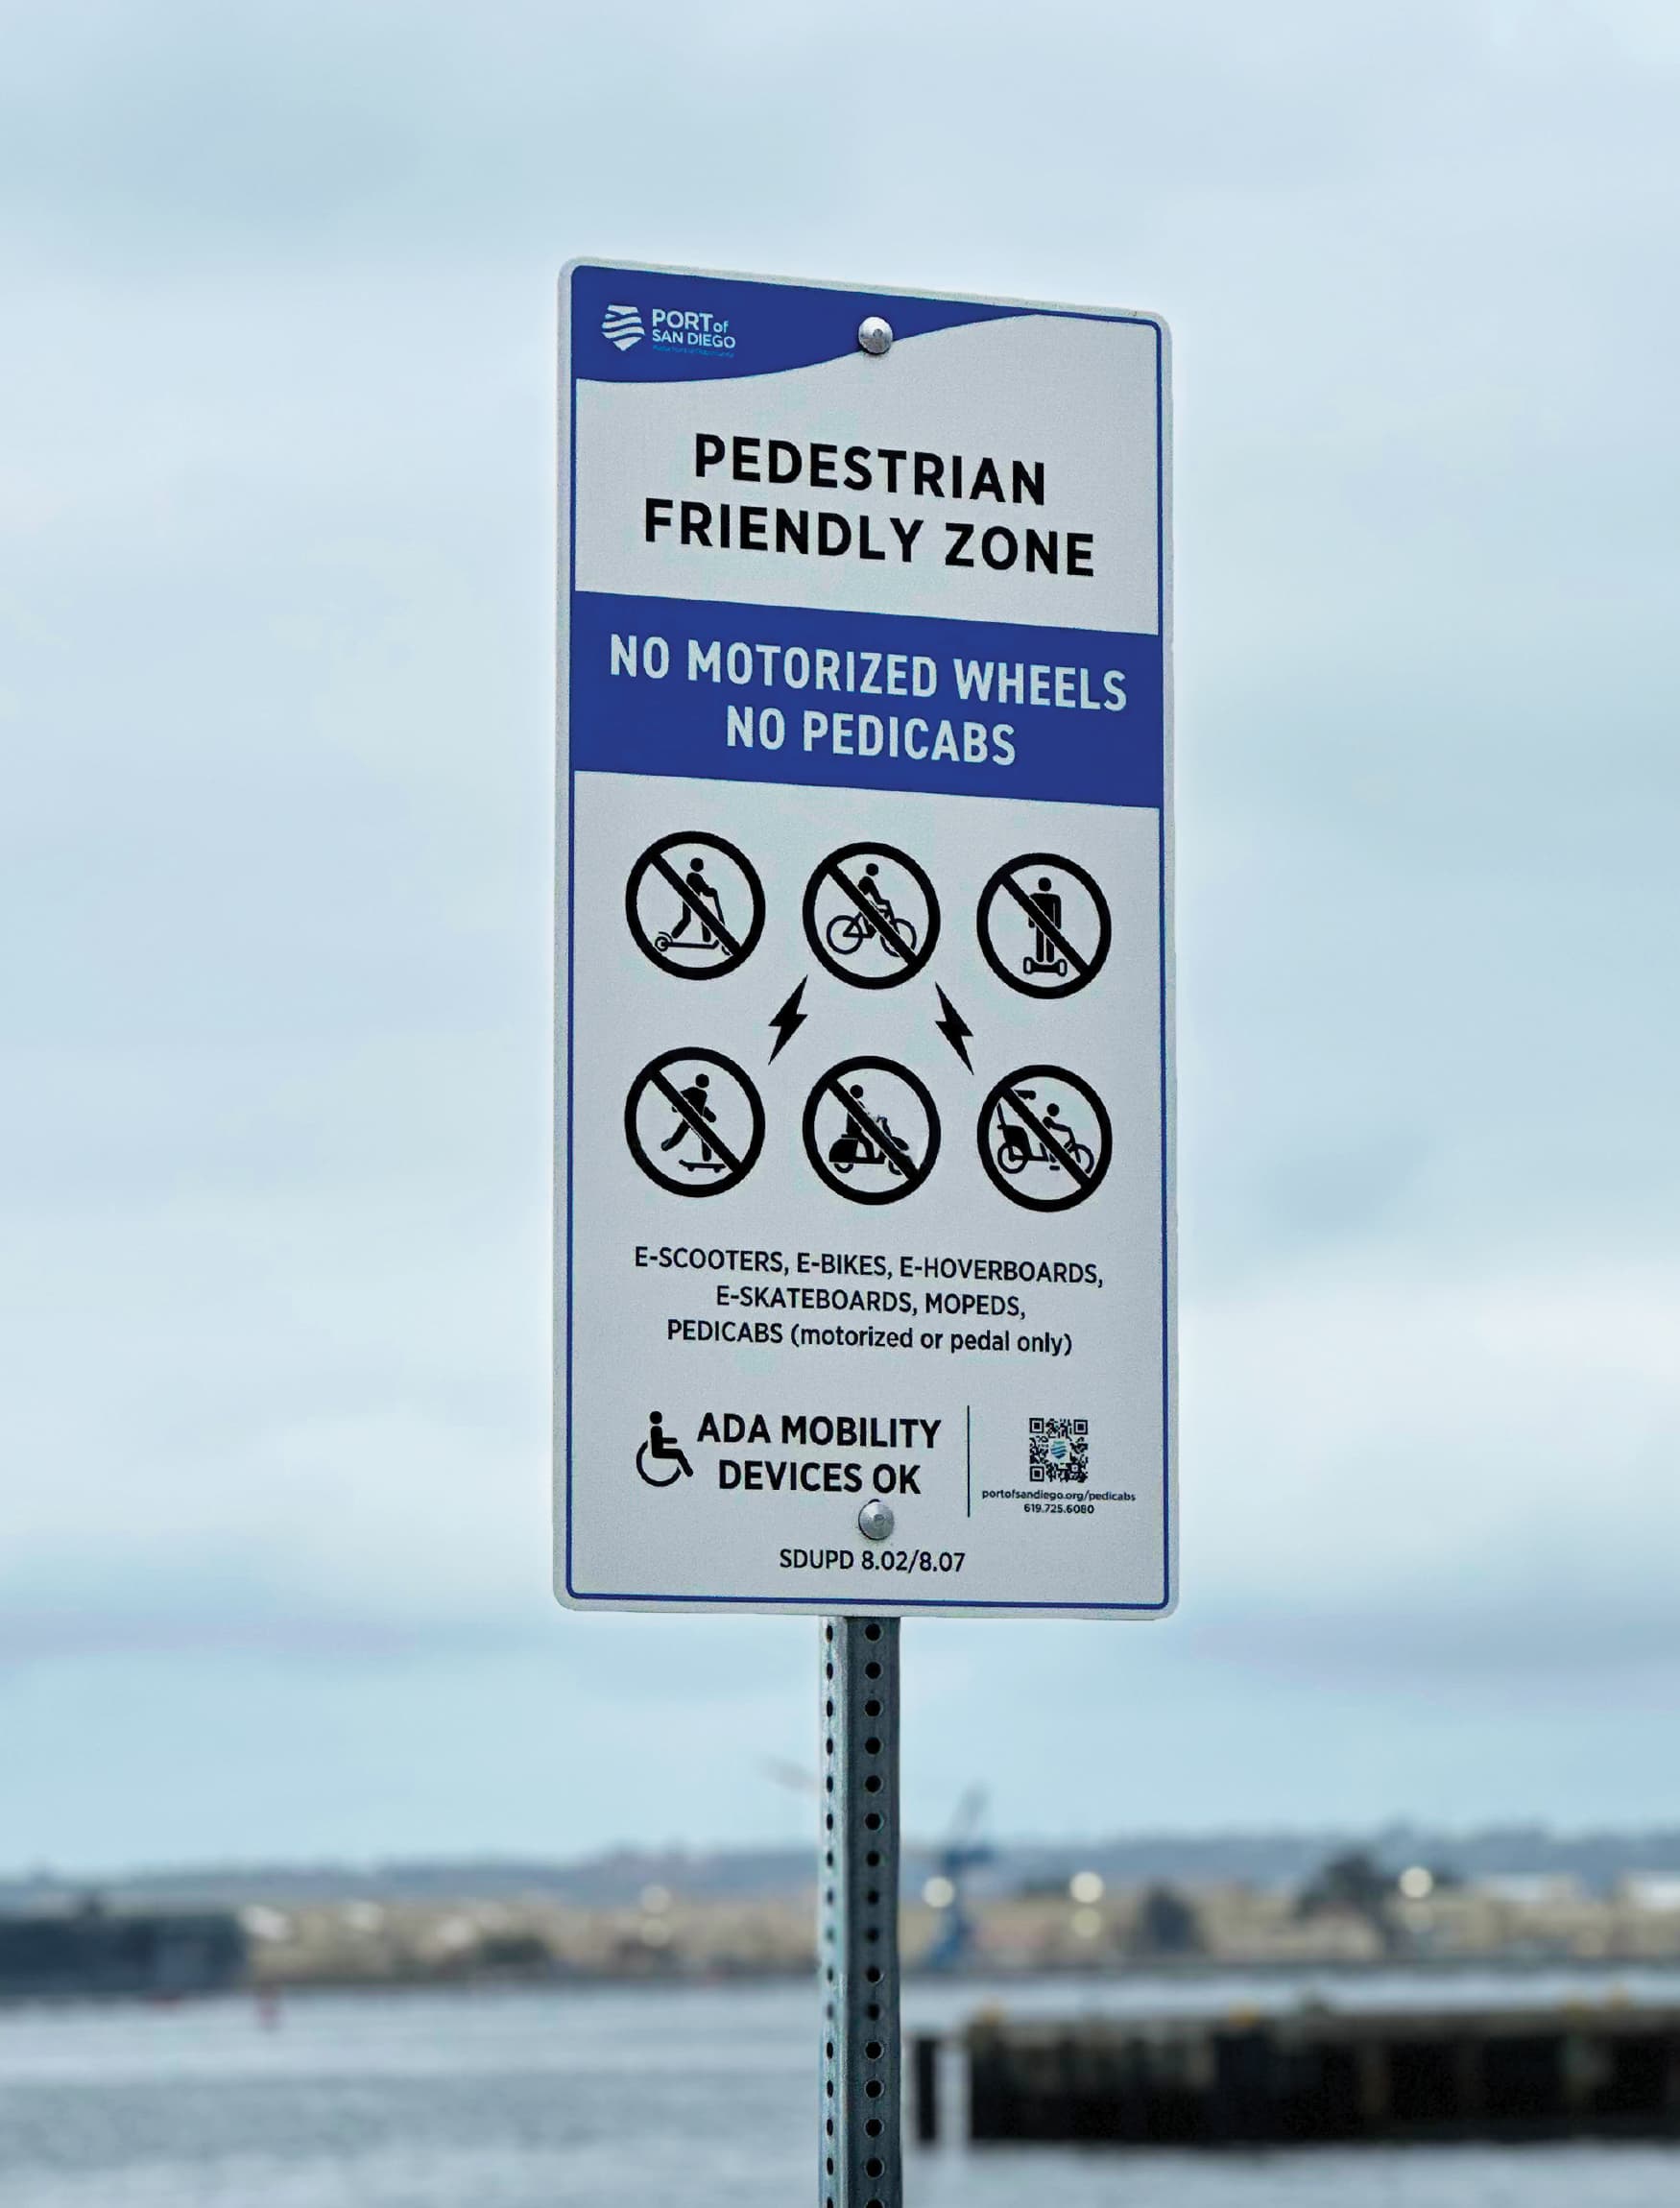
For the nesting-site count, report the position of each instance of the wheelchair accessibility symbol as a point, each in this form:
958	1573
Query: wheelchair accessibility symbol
1043	925
870	915
659	1460
695	906
694	1122
1044	1138
871	1130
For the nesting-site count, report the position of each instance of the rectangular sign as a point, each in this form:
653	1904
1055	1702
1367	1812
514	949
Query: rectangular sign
865	1250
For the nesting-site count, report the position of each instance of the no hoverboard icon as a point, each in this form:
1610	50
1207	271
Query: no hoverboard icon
1043	925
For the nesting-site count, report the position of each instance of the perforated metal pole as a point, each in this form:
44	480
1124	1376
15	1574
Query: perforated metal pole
860	2163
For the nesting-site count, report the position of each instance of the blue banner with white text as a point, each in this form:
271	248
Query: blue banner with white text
866	701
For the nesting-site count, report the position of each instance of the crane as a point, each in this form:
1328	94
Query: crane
961	1852
953	1858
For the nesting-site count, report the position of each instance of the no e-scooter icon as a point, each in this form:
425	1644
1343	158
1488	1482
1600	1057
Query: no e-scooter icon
1046	1140
695	906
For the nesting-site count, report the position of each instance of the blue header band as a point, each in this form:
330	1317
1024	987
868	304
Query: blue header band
864	701
632	325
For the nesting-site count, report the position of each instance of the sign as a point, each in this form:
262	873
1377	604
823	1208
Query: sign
864	1077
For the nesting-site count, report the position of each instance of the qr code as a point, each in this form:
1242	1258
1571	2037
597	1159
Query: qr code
1058	1449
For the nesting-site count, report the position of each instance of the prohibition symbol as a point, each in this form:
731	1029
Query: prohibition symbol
1044	1138
1043	925
850	1135
870	915
695	906
694	1122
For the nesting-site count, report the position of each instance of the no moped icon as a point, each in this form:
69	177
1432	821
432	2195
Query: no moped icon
852	1143
878	1146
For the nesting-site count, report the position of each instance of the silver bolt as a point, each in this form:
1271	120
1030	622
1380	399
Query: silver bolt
875	336
875	1521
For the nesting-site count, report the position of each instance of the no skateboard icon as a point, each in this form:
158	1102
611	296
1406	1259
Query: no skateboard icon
1043	925
695	906
1044	1138
872	1130
694	1122
870	915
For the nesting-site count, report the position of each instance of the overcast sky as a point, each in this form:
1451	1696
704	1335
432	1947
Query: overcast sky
275	579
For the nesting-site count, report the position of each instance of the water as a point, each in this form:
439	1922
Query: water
646	2097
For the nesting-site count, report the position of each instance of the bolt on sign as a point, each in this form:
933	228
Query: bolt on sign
865	1249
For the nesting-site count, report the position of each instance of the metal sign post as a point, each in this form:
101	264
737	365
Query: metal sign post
862	2162
864	1125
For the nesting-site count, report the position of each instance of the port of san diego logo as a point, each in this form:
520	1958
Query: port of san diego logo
684	328
623	326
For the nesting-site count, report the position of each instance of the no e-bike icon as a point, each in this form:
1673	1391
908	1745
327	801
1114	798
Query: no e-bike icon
870	915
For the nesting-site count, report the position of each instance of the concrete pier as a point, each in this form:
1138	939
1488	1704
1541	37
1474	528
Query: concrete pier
1317	2074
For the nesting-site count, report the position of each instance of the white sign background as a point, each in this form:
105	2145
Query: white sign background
783	1440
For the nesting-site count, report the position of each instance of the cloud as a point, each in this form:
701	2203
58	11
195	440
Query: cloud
1478	1434
274	588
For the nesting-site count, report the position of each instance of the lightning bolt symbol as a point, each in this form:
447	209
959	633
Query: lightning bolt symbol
787	1021
954	1028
